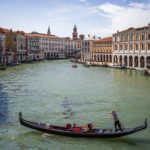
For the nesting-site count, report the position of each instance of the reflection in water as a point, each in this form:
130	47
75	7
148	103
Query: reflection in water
3	106
68	113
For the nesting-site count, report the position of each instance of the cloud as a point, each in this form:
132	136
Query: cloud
82	0
123	17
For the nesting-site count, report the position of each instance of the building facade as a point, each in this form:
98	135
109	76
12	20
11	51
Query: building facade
72	47
10	51
21	47
86	52
102	51
33	47
131	47
2	48
52	46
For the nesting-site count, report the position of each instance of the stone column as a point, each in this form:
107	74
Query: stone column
133	65
122	59
128	61
145	63
139	63
113	59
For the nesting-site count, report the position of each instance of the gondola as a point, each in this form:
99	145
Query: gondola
64	131
147	72
74	66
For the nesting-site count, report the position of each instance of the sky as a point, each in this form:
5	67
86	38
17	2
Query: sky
92	17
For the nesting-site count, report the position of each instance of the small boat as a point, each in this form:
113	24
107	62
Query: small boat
2	68
74	66
14	64
86	65
120	66
77	132
147	72
104	65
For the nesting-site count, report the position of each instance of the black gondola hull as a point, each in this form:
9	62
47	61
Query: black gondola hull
62	130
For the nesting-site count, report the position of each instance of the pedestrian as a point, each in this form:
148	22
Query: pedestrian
116	120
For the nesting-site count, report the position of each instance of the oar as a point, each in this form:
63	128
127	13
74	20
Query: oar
122	125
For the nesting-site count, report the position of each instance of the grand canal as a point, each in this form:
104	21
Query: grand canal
54	92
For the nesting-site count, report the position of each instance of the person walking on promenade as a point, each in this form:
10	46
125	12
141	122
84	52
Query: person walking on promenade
116	120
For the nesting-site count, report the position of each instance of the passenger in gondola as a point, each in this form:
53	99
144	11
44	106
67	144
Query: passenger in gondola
116	121
90	127
68	126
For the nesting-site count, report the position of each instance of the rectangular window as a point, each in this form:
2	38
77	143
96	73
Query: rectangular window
137	37
131	46
143	37
148	46
126	37
116	47
120	47
148	36
143	46
131	37
136	47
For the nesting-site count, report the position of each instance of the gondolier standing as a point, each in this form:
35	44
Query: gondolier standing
116	120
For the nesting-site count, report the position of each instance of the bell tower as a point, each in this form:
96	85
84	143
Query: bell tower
48	31
75	33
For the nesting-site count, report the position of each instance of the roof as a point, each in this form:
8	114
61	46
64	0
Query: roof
134	29
44	35
106	39
3	30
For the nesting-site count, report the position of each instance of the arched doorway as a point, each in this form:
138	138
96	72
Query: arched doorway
120	59
48	55
115	59
51	55
136	61
101	58
97	57
57	55
106	58
125	60
94	57
45	56
110	58
142	62
130	61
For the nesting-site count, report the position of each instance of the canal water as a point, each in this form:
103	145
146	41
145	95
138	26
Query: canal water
55	92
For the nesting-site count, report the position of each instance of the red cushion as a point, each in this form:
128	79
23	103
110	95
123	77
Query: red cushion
77	129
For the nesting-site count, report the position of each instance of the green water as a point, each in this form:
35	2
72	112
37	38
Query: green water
54	92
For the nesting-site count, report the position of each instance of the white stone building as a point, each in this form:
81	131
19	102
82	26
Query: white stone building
86	52
33	47
131	47
21	46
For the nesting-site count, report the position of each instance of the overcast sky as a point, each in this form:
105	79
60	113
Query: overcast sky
94	17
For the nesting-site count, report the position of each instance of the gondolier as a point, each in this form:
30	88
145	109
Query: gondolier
116	120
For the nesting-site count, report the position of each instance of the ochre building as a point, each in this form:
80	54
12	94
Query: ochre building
102	51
